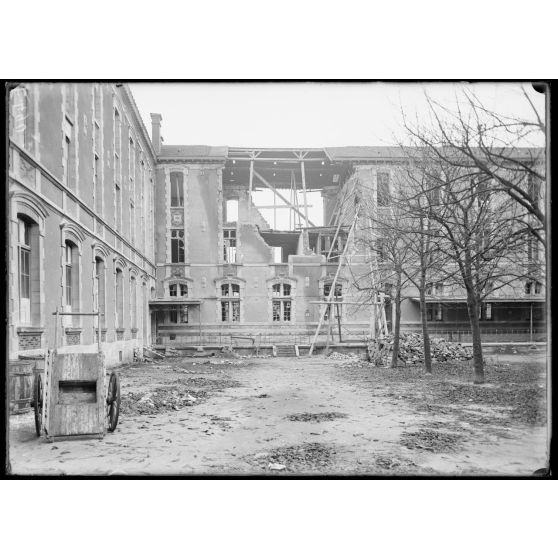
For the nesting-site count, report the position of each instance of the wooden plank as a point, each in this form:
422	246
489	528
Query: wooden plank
334	282
304	191
282	206
279	195
251	183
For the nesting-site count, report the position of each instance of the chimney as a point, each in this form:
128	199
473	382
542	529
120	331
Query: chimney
156	138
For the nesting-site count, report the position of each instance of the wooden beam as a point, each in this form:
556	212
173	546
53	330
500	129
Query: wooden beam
338	321
304	190
334	282
279	195
275	209
250	191
273	159
277	206
296	200
339	302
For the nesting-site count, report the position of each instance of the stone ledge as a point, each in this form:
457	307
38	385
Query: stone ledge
30	330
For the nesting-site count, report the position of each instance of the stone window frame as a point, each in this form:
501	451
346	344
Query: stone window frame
24	136
168	281
240	298
27	205
100	252
119	265
179	187
133	284
344	283
168	169
69	232
281	279
177	280
227	247
178	238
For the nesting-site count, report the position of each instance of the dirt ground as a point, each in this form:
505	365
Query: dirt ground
317	416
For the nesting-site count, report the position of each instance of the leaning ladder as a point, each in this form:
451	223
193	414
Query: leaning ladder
342	259
378	320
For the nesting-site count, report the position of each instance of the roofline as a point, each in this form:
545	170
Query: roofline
139	120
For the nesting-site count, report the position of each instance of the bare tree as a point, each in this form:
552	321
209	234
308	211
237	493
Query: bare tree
473	225
386	245
474	138
399	236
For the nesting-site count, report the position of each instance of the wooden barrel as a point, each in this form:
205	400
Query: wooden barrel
21	385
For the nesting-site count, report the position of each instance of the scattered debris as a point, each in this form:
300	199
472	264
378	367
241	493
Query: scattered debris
150	353
181	392
316	417
304	457
347	360
276	466
431	440
341	356
392	463
159	401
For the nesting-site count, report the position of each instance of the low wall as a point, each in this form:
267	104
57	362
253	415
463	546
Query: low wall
116	352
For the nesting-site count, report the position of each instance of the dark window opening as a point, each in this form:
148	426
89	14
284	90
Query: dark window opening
229	245
383	189
177	189
177	246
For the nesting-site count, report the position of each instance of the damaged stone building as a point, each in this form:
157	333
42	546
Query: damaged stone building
168	242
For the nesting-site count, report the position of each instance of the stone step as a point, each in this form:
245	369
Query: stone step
286	351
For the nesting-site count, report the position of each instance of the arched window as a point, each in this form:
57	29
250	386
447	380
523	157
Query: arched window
100	289
71	281
119	299
281	302
177	189
133	304
28	271
178	290
338	294
533	287
230	302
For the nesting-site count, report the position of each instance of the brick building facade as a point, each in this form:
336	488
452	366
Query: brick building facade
168	243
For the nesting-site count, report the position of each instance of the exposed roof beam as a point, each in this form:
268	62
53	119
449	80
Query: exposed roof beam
281	197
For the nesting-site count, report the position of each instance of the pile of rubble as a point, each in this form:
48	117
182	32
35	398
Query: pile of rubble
346	360
340	356
160	401
411	350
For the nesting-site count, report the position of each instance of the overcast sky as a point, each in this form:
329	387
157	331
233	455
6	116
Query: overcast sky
304	114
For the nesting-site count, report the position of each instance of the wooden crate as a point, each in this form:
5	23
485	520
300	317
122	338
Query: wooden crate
76	403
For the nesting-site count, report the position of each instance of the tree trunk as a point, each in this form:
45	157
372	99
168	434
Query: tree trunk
396	324
473	311
425	336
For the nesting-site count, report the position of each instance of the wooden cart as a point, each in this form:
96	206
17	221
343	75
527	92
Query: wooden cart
73	396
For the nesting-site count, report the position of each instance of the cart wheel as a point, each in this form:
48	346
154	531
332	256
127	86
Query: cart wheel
38	404
113	402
